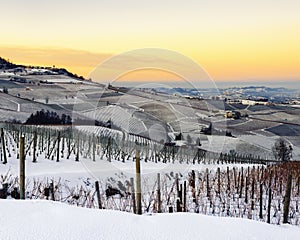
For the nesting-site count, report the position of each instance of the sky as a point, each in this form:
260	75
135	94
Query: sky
231	40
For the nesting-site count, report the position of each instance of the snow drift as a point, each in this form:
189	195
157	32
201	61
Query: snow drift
41	219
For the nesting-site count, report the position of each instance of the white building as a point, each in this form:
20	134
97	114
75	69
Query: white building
253	102
248	102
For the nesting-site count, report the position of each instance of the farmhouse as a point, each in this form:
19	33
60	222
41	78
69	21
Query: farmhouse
255	102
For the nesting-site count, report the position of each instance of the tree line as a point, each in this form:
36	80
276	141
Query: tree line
46	117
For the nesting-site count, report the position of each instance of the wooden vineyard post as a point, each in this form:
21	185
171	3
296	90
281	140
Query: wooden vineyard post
246	190
62	151
52	191
287	200
78	149
270	198
228	179
238	183
165	154
22	167
94	148
242	182
90	144
138	181
109	148
42	143
184	196
133	195
34	146
219	181
48	145
173	153
158	194
98	194
69	145
261	201
3	147
207	183
193	185
252	193
234	175
155	156
180	197
58	145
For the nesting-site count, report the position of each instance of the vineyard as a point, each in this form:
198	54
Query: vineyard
189	179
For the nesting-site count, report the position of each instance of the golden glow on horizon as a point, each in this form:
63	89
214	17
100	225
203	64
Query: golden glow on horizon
231	40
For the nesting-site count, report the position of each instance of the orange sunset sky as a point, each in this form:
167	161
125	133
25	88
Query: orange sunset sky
232	40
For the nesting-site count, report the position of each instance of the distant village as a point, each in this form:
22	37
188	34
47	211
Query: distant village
250	96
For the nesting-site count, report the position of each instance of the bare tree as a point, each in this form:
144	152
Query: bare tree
282	150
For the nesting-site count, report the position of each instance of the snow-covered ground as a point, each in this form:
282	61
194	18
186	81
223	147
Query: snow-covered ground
76	172
42	219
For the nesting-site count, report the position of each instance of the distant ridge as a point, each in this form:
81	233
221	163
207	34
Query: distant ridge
7	65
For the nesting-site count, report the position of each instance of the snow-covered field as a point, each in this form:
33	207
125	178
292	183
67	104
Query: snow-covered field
119	117
51	220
